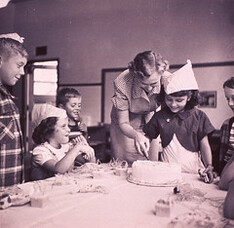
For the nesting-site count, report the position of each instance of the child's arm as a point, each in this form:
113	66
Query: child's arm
67	161
83	127
228	207
227	174
206	156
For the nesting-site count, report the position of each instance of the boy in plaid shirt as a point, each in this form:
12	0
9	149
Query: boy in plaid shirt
13	58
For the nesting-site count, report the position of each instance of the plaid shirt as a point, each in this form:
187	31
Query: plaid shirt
11	141
226	148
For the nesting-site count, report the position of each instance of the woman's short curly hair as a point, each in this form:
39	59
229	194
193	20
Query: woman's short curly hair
147	60
45	130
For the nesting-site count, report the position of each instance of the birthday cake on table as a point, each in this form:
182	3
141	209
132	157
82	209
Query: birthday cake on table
153	173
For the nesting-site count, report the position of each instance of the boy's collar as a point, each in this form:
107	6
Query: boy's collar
5	91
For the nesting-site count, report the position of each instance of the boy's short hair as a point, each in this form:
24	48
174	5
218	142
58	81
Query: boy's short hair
229	83
10	47
65	94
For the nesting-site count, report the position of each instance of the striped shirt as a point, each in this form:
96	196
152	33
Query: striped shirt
11	141
227	140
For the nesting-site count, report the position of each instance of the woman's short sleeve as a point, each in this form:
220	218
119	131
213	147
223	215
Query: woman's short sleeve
120	100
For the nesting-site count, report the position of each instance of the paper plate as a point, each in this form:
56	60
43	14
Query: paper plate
140	182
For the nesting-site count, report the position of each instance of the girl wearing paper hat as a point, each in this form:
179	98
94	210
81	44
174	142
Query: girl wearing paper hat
54	154
182	127
135	99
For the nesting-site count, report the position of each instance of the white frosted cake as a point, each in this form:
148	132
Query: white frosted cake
155	173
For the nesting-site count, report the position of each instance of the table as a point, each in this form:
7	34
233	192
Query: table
121	204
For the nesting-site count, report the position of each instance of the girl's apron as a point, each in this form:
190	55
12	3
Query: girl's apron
175	152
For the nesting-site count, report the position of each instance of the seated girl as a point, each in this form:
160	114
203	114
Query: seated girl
53	153
182	127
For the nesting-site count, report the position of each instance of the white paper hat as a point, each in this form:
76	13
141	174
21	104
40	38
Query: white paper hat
182	79
43	111
13	36
165	76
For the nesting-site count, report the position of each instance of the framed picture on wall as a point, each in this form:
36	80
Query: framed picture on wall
208	99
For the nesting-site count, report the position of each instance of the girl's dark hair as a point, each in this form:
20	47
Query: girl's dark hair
43	132
194	100
229	83
65	94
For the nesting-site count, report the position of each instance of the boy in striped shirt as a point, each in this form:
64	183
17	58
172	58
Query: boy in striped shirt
227	129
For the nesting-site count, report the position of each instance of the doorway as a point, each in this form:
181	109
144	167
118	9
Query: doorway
41	84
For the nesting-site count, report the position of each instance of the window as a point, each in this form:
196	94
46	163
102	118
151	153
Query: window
45	78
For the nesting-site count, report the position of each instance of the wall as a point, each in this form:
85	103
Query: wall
88	35
7	19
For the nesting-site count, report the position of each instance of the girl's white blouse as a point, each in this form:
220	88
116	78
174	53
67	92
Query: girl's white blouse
46	152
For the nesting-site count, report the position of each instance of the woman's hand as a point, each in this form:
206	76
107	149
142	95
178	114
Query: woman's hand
142	144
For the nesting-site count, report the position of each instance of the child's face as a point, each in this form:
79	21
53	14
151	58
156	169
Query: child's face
61	132
229	94
73	108
176	104
11	69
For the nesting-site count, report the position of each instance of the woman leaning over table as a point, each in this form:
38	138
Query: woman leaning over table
136	98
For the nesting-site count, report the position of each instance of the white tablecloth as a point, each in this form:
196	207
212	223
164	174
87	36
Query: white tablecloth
124	205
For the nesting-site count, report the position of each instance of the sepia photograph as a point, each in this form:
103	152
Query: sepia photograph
116	113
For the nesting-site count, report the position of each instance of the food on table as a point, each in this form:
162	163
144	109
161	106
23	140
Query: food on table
121	168
155	173
13	196
163	208
19	199
185	192
93	188
39	200
5	201
193	220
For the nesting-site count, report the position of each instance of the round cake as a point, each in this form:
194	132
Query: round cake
155	173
